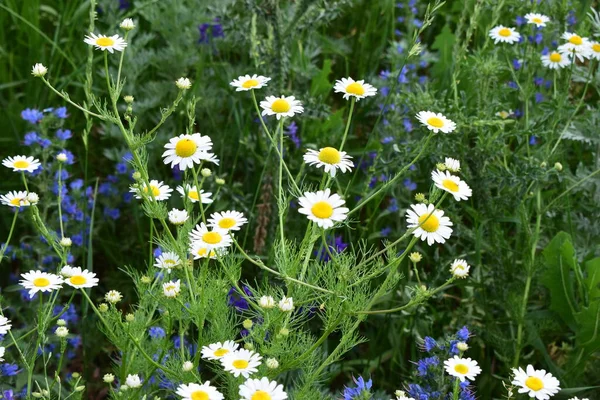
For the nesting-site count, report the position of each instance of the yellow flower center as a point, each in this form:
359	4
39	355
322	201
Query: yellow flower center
240	364
21	164
226	223
221	352
192	194
261	395
199	395
596	47
459	266
555	57
155	190
576	40
41	282
185	148
435	122
504	32
171	287
280	106
450	185
170	262
212	237
16	201
322	209
202	253
105	41
355	88
431	225
534	383
329	155
250	83
461	368
536	20
77	280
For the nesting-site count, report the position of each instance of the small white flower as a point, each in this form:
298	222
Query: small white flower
187	366
505	114
216	351
183	83
281	106
286	304
133	381
102	42
462	346
127	24
272	363
192	194
460	268
186	150
536	383
5	325
194	391
462	368
241	362
158	191
452	165
247	82
178	217
33	198
67	271
61	157
2	350
66	242
435	122
113	296
61	331
108	378
430	224
21	163
401	395
61	322
352	88
504	35
451	184
199	250
215	238
39	70
227	220
167	260
172	289
266	302
15	199
38	281
79	278
323	208
556	60
330	159
538	20
262	389
594	52
576	46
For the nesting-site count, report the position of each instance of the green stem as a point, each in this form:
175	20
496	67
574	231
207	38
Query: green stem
569	189
456	391
280	188
348	123
62	232
68	100
10	232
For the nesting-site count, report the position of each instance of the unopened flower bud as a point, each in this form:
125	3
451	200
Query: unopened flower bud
284	331
206	172
128	99
462	346
66	242
61	322
267	302
420	197
558	166
249	346
248	323
127	24
103	307
183	83
543	164
187	366
415	257
108	378
136	176
220	181
75	375
124	388
146	279
130	317
80	388
441	166
33	198
37	395
272	363
61	332
39	70
61	157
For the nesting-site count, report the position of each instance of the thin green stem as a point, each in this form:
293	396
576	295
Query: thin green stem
10	232
68	100
60	220
348	123
456	391
280	188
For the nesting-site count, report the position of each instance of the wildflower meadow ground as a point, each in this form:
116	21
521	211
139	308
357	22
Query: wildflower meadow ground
306	200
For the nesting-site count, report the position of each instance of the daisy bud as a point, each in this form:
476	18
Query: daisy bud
187	366
460	269
61	157
103	307
80	388
136	176
558	166
75	375
133	381
183	83
127	24
37	395
420	198
247	324
146	279
61	322
130	317
61	331
220	181
113	296
440	166
286	304
462	346
543	164
248	346
128	99
272	363
124	388
284	332
178	217
33	198
66	242
267	302
206	172
39	70
415	257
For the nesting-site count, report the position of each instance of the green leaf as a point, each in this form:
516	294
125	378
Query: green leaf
444	42
588	335
592	279
559	261
320	83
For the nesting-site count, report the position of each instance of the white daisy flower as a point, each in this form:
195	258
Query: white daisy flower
194	391
216	351
452	164
67	271
178	217
133	381
61	331
183	83
460	268
401	395
159	190
281	106
214	238
462	368
266	302
79	278
241	362
286	304
451	184
537	19
15	199
127	24
198	250
357	89
594	50
505	114
323	208
504	35
102	42
430	224
262	389
247	82
185	150
576	46
38	281
192	194
167	260
113	296
330	159
33	198
227	220
2	350
21	163
536	383
172	289
556	60
39	70
436	122
5	325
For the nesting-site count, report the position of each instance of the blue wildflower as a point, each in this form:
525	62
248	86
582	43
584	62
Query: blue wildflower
429	343
121	168
385	232
424	364
463	334
409	184
156	332
61	112
63	134
30	138
45	143
32	115
292	132
236	300
9	369
361	389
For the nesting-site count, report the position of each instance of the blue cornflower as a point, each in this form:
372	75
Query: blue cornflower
77	239
157	252
63	134
533	140
61	112
385	74
8	395
209	31
30	138
418	23
512	85
156	332
453	347
70	315
362	389
429	343
463	334
32	115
